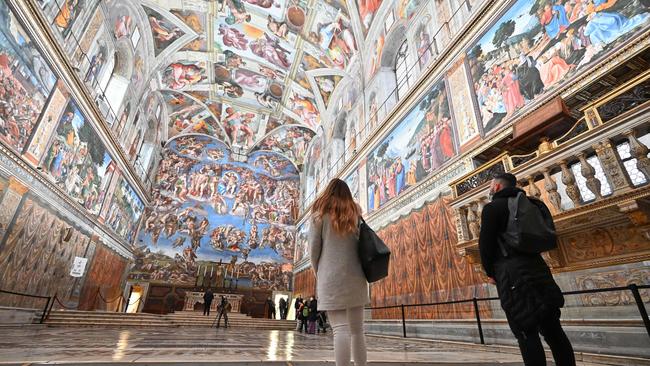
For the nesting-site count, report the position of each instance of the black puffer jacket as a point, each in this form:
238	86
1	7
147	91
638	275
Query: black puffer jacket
525	285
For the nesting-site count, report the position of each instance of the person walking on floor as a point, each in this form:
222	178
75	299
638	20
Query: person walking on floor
283	308
208	296
528	293
341	286
270	308
223	310
296	306
313	315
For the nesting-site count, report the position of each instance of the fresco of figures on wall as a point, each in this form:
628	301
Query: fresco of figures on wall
302	241
77	160
25	82
367	11
536	46
210	209
420	144
125	211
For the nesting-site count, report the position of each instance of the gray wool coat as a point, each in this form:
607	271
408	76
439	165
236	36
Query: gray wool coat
340	282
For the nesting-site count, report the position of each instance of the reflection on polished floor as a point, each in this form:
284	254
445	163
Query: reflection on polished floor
201	345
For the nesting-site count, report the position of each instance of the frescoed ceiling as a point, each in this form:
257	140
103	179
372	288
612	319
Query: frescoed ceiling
256	74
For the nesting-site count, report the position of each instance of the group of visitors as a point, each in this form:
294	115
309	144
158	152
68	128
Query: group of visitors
270	308
529	295
308	318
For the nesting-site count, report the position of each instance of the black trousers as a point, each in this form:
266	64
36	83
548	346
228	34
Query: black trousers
206	307
225	319
531	347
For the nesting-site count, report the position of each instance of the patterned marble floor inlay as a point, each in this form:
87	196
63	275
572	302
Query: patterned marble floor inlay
201	346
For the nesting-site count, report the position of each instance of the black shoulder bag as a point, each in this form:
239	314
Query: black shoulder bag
373	253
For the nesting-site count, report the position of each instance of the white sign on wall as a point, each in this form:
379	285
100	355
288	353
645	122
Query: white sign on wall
78	267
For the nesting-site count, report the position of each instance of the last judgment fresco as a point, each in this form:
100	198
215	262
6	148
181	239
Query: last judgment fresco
211	210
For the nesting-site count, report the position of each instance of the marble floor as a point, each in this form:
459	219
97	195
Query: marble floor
176	346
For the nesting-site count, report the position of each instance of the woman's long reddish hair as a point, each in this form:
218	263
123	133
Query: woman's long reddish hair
337	201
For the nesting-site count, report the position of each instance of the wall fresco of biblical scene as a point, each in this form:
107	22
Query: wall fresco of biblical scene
77	160
26	81
211	210
331	32
125	211
420	143
302	241
352	181
367	11
536	46
184	74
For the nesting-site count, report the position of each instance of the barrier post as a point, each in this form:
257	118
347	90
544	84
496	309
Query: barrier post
403	321
47	305
478	319
639	303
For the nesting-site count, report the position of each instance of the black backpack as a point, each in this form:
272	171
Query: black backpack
373	254
530	227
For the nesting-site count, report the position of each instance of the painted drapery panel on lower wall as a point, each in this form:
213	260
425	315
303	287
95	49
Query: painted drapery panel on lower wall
105	275
425	267
304	284
216	220
420	143
36	259
535	47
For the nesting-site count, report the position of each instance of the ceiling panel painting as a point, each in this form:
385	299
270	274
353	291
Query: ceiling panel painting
163	31
241	126
367	11
184	74
332	33
301	103
253	43
326	85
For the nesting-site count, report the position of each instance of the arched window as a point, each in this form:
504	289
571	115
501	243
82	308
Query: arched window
403	72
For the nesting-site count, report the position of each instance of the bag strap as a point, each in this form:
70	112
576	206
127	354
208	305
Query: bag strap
512	210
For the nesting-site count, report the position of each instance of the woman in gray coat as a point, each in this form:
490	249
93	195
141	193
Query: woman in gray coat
341	286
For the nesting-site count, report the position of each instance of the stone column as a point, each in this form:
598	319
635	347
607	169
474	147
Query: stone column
569	181
551	189
639	151
533	191
9	204
461	225
612	166
589	173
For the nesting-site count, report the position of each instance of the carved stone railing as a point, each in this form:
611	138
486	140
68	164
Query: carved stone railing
600	200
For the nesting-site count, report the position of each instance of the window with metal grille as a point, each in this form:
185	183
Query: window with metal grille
403	72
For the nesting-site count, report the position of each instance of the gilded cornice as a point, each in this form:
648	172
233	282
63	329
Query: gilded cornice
16	168
52	51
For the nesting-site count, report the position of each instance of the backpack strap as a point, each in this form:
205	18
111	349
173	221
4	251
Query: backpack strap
512	211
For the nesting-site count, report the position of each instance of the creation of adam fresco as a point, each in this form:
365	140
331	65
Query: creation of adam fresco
211	209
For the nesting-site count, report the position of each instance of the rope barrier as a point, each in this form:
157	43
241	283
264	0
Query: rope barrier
106	301
56	298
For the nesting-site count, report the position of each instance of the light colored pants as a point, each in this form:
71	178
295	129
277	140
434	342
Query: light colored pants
347	326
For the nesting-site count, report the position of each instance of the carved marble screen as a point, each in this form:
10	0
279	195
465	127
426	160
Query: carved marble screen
535	47
26	81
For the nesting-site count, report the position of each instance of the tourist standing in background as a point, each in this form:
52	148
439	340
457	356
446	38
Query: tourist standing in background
223	309
313	315
283	308
296	306
207	301
341	285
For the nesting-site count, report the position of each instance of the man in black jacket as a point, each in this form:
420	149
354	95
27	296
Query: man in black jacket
208	296
529	296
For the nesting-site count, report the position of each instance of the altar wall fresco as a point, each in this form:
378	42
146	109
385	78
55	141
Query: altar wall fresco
237	218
